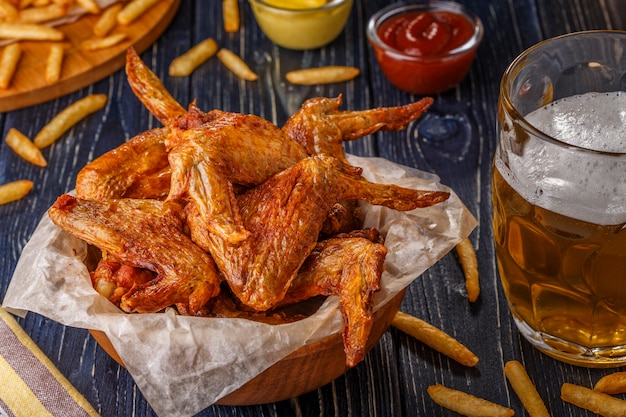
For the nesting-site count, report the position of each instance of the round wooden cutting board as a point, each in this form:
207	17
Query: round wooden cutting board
80	68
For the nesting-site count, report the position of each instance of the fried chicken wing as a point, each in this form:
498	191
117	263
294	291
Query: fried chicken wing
136	169
144	234
321	128
284	216
349	266
232	149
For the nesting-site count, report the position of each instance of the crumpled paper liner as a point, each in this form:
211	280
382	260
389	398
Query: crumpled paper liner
184	364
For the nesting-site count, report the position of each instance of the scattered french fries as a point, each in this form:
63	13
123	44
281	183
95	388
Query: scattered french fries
94	44
194	57
67	118
54	63
594	401
42	14
8	63
466	404
322	75
13	191
29	31
614	383
8	11
23	146
35	20
237	65
435	338
525	389
230	15
469	264
90	5
133	10
107	20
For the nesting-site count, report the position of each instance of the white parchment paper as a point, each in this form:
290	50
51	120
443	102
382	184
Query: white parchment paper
184	364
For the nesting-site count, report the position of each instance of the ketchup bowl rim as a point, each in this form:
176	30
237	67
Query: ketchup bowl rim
397	9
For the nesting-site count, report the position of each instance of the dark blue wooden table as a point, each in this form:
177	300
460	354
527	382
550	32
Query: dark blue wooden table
456	140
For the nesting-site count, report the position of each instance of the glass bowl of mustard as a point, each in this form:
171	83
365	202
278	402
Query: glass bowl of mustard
425	48
301	24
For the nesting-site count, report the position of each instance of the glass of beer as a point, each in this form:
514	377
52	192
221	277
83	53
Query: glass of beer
559	196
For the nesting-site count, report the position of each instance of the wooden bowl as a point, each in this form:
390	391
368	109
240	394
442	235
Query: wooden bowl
308	368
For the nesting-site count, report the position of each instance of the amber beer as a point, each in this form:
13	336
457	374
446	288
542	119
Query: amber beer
559	222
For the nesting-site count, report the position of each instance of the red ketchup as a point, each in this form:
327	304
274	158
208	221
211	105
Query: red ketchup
419	60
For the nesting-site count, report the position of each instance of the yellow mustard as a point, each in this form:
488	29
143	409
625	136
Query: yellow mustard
297	4
307	27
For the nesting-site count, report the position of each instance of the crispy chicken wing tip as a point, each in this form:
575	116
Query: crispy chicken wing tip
150	90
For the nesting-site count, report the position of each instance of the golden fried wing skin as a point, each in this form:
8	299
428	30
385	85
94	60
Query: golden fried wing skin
150	90
246	149
284	216
136	169
144	234
230	149
321	128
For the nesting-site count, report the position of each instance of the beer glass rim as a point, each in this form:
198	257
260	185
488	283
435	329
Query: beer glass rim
511	71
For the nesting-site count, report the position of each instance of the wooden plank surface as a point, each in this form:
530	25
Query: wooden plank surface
392	380
80	67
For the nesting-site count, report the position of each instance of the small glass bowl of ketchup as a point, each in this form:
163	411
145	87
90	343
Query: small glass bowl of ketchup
425	48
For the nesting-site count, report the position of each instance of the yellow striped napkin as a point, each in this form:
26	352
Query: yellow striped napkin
31	386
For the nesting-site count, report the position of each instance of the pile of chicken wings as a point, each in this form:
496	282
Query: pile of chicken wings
227	215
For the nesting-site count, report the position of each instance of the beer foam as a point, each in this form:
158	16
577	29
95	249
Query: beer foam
583	185
593	121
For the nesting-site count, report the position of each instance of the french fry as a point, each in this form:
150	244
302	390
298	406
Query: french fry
230	15
90	5
29	31
435	338
466	404
8	12
67	3
614	383
525	389
234	63
107	20
322	75
8	63
24	4
133	10
42	14
54	63
67	118
94	44
194	57
469	264
22	146
594	401
15	190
